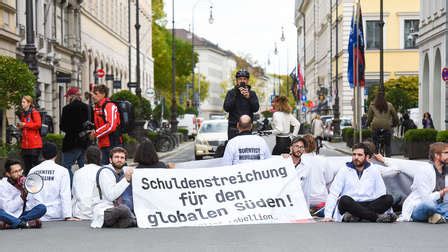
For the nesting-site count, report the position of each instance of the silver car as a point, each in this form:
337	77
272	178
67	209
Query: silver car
211	134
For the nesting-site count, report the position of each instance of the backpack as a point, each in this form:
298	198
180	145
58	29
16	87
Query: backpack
44	129
126	115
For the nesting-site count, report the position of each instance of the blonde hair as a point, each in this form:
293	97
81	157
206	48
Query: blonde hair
28	98
283	105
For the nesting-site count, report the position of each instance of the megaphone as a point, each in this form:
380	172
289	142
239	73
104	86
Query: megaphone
33	183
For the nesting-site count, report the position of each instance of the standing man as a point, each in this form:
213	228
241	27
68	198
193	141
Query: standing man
55	193
358	192
75	122
245	147
240	100
107	120
110	212
13	199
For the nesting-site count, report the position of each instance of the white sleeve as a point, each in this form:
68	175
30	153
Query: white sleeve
276	122
335	191
111	190
66	195
296	124
266	150
227	159
380	187
12	205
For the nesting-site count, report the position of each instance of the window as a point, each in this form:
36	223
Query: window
372	35
410	33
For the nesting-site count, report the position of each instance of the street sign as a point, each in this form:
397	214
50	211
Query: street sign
303	97
116	84
445	73
109	77
150	92
303	109
132	84
100	73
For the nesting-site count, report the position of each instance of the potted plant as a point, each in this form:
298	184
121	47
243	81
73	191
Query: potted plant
417	141
184	133
347	136
442	136
130	144
396	146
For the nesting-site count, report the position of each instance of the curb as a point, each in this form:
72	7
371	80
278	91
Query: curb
337	149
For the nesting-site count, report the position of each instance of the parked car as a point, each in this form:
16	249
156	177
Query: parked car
346	122
212	134
188	121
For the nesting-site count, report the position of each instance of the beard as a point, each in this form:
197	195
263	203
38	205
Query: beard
118	166
359	162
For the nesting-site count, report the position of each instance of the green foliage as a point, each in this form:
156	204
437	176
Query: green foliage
55	138
157	112
420	135
183	131
16	80
347	133
442	136
191	110
266	114
6	150
401	92
142	107
152	136
127	139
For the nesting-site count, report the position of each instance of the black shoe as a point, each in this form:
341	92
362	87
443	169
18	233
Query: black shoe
386	218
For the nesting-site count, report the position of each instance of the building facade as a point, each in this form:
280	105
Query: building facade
432	43
316	23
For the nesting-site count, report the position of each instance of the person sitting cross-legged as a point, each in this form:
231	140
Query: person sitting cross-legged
13	199
358	192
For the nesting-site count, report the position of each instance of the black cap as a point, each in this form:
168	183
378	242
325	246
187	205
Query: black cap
242	73
49	150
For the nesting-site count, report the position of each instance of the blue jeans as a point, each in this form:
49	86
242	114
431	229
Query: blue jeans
35	213
69	158
425	209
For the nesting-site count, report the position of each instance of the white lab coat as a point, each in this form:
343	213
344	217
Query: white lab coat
367	188
110	191
85	192
245	148
55	194
10	200
318	178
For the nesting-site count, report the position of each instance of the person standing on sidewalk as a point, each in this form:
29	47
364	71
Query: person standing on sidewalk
75	122
240	100
282	120
317	127
358	192
30	123
107	120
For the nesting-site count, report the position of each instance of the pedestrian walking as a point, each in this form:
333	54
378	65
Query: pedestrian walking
317	127
427	121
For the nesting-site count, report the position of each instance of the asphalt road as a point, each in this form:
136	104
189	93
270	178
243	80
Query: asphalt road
78	236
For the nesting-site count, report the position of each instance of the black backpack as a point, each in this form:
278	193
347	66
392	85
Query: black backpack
126	115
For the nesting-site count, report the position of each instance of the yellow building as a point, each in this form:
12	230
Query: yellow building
8	36
317	44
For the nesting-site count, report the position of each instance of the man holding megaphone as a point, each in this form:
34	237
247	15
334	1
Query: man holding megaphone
13	200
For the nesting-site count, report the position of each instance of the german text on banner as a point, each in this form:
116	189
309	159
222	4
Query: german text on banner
266	191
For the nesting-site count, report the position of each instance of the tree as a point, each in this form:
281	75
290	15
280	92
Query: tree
16	80
141	106
401	92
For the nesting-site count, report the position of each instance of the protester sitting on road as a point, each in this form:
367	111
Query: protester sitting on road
282	120
358	191
84	189
146	156
112	180
311	172
55	194
13	198
245	147
433	207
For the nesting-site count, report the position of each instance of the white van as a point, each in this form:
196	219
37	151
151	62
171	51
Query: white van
188	121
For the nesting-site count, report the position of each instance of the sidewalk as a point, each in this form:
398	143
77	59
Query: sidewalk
344	149
163	155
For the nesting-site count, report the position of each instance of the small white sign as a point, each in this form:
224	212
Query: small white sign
150	92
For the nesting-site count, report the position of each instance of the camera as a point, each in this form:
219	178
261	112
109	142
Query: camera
242	85
87	127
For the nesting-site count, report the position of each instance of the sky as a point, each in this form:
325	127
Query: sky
245	27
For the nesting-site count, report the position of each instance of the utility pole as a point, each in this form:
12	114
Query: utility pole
381	88
336	113
138	89
30	49
173	80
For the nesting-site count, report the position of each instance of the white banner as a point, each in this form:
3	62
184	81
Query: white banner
264	191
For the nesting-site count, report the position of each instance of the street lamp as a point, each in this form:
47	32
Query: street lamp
210	20
138	89
336	113
173	80
282	38
29	50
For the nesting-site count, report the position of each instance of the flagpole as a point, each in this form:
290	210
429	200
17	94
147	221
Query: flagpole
359	77
355	72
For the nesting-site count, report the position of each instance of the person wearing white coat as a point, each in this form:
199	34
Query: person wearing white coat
12	200
358	191
317	127
84	191
282	120
55	193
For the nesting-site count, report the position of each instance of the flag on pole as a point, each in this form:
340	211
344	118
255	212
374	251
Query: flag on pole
301	82
294	86
356	59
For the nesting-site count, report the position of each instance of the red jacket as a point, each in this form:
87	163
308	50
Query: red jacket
31	129
106	130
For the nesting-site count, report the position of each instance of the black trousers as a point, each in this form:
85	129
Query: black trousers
30	159
367	210
387	134
119	217
232	132
281	145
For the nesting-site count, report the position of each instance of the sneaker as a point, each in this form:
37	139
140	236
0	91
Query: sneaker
436	219
34	223
348	217
386	218
4	225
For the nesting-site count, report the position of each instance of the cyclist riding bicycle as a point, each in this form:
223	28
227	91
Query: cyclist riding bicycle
382	118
